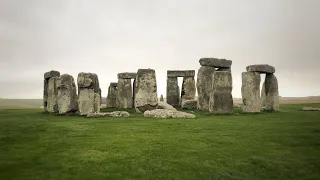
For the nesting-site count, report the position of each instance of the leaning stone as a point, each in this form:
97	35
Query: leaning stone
112	96
180	73
146	97
188	91
52	103
272	93
215	62
204	86
86	101
221	103
261	68
250	91
124	93
222	81
51	74
173	93
127	75
166	113
67	94
310	109
189	104
163	105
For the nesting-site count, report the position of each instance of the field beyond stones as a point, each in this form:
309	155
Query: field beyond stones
281	145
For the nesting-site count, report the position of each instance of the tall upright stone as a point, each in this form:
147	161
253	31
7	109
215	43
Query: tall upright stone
96	103
67	94
112	95
188	91
95	81
250	91
173	92
263	95
47	76
272	93
221	101
204	87
87	86
146	97
52	103
124	93
133	91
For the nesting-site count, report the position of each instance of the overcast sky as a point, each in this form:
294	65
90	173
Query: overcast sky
107	37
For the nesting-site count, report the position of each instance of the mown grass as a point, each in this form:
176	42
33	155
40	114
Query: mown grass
282	145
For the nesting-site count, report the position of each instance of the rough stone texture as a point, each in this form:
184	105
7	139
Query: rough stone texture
188	91
215	62
112	96
52	103
250	91
161	98
86	101
221	101
67	94
163	105
204	86
146	97
109	114
166	113
96	103
51	74
181	73
47	76
88	80
173	92
310	109
263	95
127	75
272	93
261	68
133	92
124	93
189	104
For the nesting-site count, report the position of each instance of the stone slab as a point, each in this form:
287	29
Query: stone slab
127	75
261	68
215	62
180	73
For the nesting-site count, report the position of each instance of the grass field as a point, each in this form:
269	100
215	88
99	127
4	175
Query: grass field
282	145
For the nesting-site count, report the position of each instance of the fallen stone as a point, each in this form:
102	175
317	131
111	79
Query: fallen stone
189	104
310	109
221	103
52	103
261	68
166	113
112	96
250	91
173	92
204	86
163	105
215	62
180	73
188	91
67	94
146	97
272	93
124	93
127	75
109	114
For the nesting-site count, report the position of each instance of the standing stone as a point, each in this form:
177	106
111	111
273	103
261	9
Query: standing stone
263	95
86	101
67	94
47	76
112	96
221	101
250	91
204	87
188	89
52	104
272	93
124	93
161	98
133	91
96	103
146	97
95	81
173	92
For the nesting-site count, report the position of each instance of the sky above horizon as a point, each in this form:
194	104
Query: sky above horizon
108	37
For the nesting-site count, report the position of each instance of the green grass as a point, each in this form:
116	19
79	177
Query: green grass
282	145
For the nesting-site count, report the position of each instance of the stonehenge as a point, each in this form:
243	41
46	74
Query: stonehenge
112	95
253	102
67	94
188	90
47	76
125	93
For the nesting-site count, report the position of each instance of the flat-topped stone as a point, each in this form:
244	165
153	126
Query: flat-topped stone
181	73
261	68
51	74
127	75
114	84
215	62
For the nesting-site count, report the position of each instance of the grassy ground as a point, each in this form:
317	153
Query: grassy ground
282	145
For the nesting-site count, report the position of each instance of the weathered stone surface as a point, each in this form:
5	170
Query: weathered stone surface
261	68
114	84
215	62
96	103
272	93
222	81
133	92
89	80
163	105
250	91
263	95
161	98
189	104
127	75
146	97
52	104
166	113
109	114
180	73
188	91
173	93
310	109
112	96
67	94
222	103
51	74
124	93
204	86
86	101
